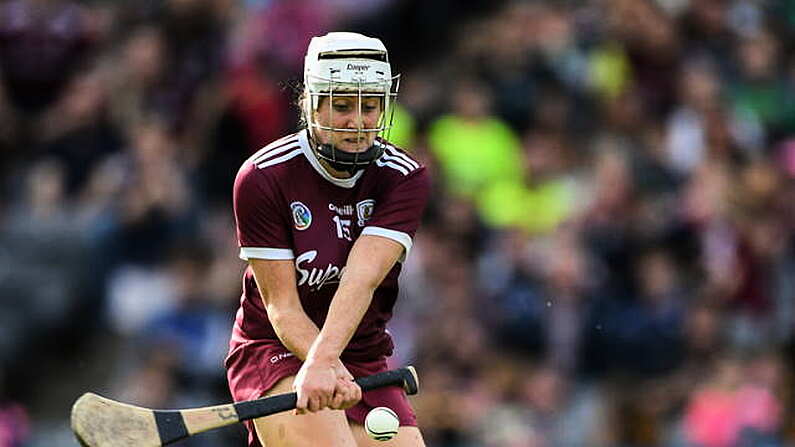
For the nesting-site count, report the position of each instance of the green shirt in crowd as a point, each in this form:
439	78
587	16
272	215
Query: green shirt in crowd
475	154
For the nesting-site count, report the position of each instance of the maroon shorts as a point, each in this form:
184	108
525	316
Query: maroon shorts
254	368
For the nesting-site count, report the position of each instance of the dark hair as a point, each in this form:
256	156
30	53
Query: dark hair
297	94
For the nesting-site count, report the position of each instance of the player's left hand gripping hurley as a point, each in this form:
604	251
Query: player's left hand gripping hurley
101	422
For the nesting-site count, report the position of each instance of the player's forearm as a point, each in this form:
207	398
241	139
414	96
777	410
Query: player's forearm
347	309
295	329
276	284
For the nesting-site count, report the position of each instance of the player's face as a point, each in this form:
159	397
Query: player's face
343	112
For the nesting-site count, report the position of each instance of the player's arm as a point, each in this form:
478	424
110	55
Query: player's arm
370	260
276	284
263	235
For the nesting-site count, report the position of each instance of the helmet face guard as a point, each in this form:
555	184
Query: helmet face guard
353	66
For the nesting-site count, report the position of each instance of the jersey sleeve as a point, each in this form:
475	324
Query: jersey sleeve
399	212
262	230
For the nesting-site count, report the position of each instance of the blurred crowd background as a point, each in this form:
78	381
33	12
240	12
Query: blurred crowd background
608	258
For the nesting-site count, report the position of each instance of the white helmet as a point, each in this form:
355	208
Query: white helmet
343	63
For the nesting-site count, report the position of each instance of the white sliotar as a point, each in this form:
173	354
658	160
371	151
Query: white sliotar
381	424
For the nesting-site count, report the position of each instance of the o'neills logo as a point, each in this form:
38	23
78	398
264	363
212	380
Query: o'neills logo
280	357
358	67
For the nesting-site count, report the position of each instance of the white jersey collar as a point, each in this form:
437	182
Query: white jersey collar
303	140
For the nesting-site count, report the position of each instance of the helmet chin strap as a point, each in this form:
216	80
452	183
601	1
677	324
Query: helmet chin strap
350	162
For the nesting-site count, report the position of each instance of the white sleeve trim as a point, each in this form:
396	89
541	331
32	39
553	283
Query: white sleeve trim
397	236
277	254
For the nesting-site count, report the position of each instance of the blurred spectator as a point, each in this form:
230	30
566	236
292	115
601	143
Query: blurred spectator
686	143
737	405
138	76
13	426
154	210
652	50
759	94
560	415
544	199
157	202
42	245
42	44
77	130
705	28
193	326
14	419
473	147
605	220
253	111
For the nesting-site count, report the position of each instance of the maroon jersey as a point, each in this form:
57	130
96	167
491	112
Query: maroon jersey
287	206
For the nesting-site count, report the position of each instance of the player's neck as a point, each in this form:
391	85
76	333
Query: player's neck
334	173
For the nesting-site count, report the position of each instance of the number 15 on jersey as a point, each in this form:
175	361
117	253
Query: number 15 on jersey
343	228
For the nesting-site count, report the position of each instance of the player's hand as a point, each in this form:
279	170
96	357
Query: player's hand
314	384
341	371
347	393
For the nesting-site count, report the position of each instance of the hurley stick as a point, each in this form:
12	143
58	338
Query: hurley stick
101	422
